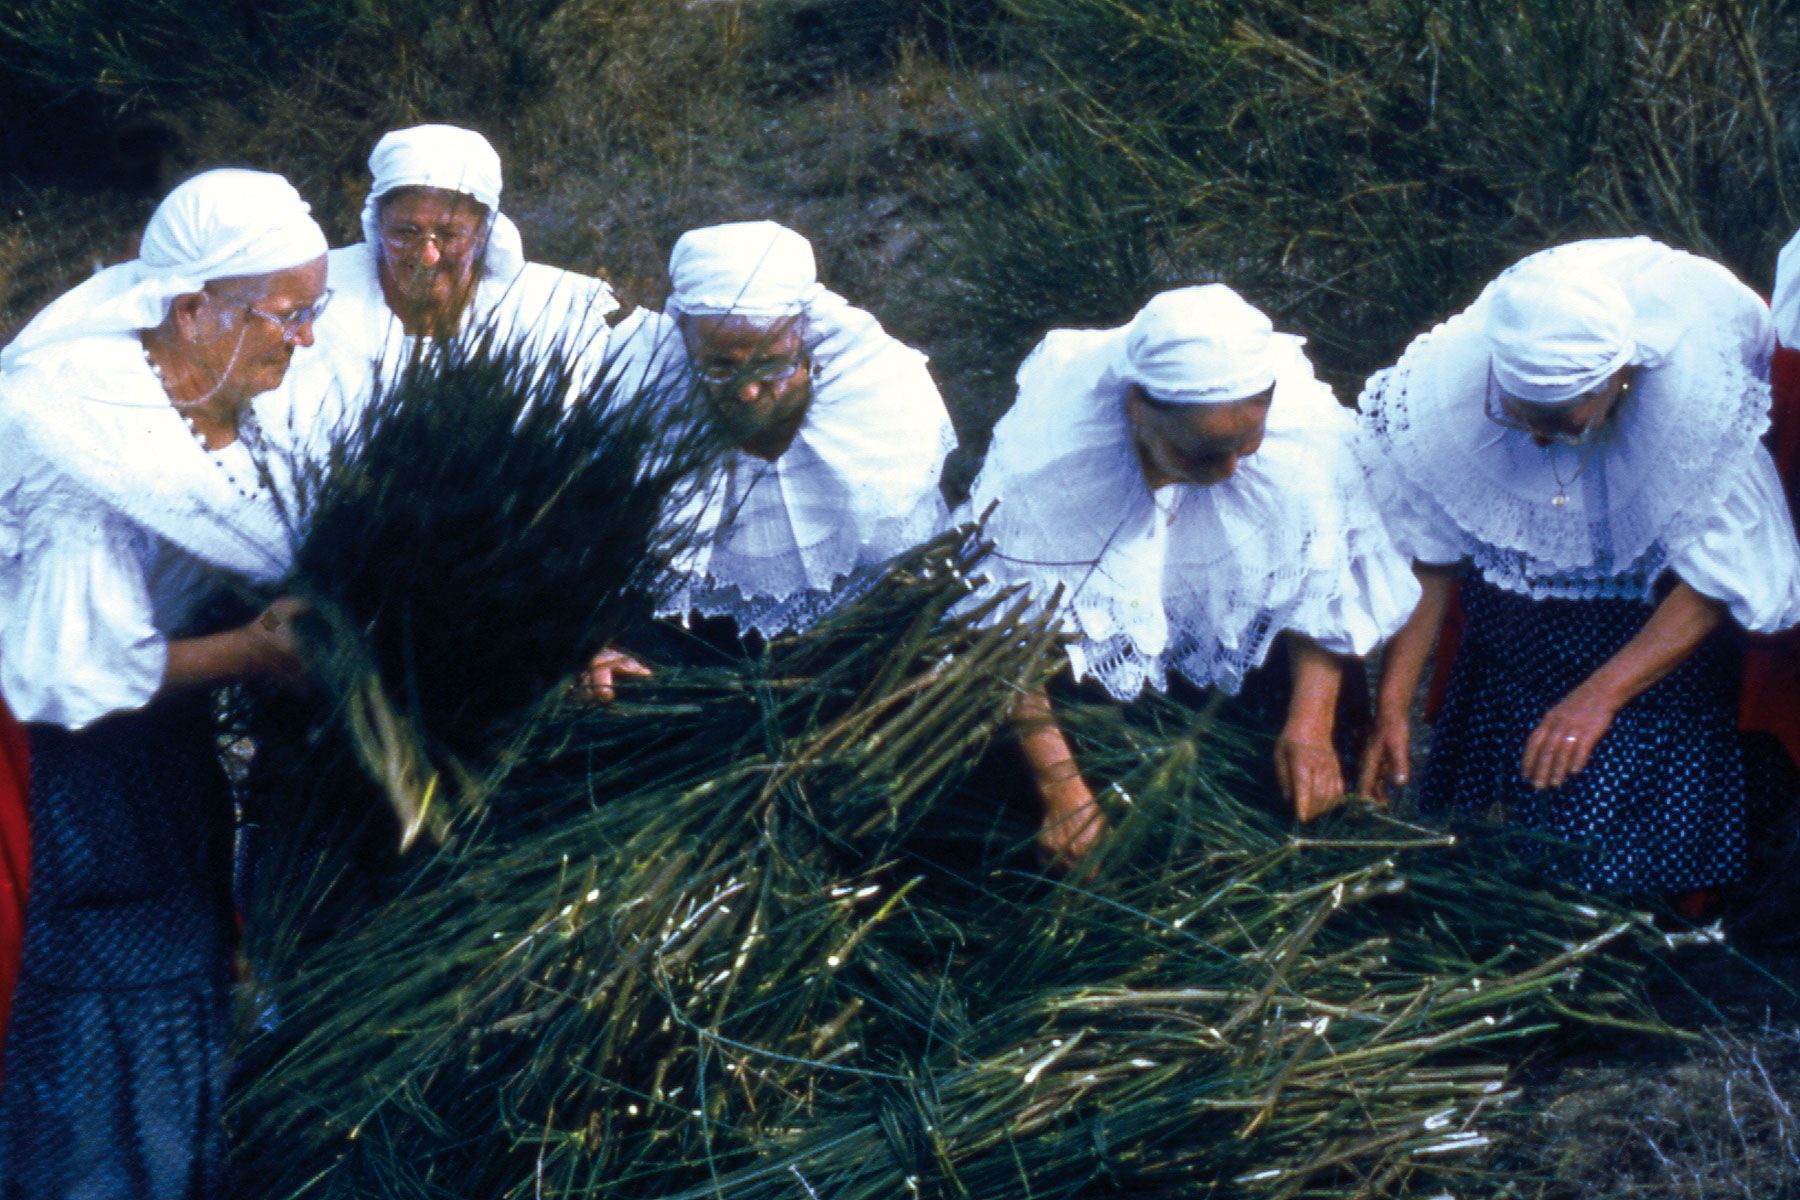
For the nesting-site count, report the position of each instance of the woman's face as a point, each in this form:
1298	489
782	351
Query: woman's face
756	378
1573	421
1195	443
432	241
240	334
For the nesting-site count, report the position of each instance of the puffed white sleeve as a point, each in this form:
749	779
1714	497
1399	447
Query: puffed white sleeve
1785	304
1360	587
78	638
1746	554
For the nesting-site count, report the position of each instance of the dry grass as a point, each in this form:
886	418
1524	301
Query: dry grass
1718	1122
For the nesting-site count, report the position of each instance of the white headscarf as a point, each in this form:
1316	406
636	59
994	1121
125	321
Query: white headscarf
454	160
754	269
222	224
1557	334
1199	345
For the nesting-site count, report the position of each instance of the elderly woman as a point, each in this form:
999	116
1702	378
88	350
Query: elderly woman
438	259
1186	482
838	432
130	497
1580	447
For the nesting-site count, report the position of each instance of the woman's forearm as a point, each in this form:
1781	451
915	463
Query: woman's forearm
263	647
1318	676
213	659
1045	746
1403	662
1680	623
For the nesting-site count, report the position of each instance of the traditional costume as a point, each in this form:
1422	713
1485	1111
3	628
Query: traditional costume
1196	580
116	525
358	337
781	542
1569	548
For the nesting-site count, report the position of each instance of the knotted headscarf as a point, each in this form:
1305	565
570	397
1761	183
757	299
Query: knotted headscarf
454	160
1556	333
1199	345
222	224
754	269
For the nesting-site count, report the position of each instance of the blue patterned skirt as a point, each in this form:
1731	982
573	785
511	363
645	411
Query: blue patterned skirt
115	1060
1659	806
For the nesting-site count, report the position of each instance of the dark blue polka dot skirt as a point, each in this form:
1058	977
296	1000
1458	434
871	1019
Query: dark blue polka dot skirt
115	1058
1659	806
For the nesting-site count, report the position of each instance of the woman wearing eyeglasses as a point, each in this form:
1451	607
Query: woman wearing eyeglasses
131	496
838	435
438	260
1578	451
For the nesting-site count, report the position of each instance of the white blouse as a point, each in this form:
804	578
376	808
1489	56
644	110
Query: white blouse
859	484
115	527
1676	481
1193	579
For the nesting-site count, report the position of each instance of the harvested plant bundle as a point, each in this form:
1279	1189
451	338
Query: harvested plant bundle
494	515
771	932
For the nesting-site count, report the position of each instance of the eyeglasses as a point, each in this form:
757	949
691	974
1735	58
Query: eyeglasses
291	323
1501	412
450	242
769	371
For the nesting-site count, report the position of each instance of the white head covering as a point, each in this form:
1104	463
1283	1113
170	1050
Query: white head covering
454	160
1199	345
222	224
1556	334
754	269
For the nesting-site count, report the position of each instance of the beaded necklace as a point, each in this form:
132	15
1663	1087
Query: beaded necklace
246	430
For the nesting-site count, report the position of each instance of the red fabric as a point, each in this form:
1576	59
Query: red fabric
15	854
1770	702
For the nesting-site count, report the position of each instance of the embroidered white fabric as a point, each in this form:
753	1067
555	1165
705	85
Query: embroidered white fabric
1656	478
114	527
358	339
1193	579
859	484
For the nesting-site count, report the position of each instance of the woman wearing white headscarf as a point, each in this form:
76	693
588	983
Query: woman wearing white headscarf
1581	445
1186	482
128	496
438	259
840	433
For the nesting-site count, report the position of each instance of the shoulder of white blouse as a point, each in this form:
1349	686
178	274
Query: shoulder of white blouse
1785	304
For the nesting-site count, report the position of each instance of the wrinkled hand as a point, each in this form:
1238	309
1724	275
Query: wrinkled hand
275	654
606	670
1306	768
1073	822
1564	740
1387	757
